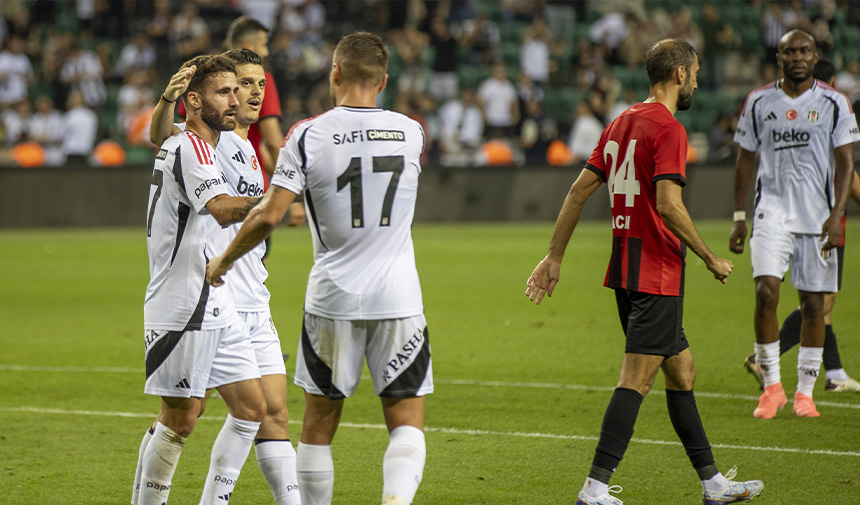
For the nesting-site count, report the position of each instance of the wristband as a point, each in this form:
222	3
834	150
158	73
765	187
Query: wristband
740	215
166	100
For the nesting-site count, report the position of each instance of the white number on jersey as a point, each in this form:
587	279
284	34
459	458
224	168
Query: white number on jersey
352	177
621	178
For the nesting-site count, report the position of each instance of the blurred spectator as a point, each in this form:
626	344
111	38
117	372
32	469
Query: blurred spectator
534	53
46	128
135	94
642	35
610	30
158	31
825	42
189	33
536	132
775	24
138	54
719	40
602	95
584	134
720	142
80	127
590	62
304	19
294	111
499	101
410	45
15	72
527	91
82	71
795	16
443	81
15	120
620	106
265	11
519	10
560	18
85	11
683	27
22	25
848	81
483	40
461	123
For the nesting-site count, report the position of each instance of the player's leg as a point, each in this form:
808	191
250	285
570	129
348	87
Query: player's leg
314	463
838	379
398	357
275	454
235	375
679	374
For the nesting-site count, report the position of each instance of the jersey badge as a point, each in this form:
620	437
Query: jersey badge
240	158
162	154
216	312
791	114
254	162
812	115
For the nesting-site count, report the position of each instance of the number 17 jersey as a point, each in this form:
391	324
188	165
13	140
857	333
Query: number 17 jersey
645	144
359	169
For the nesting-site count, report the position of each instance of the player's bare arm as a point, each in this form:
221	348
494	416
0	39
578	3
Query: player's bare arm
258	225
231	209
671	208
831	231
855	188
162	126
545	276
744	168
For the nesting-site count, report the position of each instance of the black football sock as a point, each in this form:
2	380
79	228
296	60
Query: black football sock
831	351
615	433
688	425
789	334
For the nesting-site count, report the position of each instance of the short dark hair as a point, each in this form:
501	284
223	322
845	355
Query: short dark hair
824	71
362	56
243	57
665	56
208	65
241	29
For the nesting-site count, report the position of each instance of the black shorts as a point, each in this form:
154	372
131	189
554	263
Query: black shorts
840	259
653	324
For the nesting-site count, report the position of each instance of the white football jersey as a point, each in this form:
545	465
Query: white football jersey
359	169
795	138
246	280
180	236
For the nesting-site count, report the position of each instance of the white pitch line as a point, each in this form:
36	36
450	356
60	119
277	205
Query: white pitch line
456	431
437	380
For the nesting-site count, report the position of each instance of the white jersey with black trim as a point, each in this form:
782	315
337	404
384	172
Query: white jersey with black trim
359	169
246	280
181	237
795	138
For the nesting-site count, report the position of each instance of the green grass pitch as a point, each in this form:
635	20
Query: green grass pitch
520	390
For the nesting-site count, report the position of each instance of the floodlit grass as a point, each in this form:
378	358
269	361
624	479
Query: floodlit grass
520	390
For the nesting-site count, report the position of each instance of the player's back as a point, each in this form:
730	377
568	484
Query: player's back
359	169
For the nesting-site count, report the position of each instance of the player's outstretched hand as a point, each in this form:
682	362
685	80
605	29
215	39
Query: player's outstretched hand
179	83
721	268
831	232
215	270
738	237
297	214
543	280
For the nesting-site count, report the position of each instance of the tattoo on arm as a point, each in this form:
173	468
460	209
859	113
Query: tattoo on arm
240	213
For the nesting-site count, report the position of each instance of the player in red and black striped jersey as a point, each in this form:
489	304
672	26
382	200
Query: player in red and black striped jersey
642	157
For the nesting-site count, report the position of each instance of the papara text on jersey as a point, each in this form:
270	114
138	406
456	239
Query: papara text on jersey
208	184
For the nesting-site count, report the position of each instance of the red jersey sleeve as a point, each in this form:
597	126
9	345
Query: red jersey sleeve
596	163
180	109
271	105
670	153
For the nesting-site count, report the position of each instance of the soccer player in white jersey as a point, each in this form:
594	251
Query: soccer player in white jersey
359	167
194	338
804	130
275	454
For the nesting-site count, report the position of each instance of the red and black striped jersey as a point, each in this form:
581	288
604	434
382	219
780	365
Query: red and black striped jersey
643	145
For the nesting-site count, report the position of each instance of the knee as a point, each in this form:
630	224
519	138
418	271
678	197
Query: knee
766	297
255	410
181	422
812	306
277	412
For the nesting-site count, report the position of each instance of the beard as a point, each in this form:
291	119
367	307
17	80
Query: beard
685	96
217	120
795	78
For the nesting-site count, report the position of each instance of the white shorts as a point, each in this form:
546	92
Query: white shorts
185	364
264	340
332	352
771	252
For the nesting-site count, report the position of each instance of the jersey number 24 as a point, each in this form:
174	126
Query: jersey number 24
621	179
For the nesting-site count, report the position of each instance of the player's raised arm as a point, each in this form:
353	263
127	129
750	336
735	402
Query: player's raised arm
545	276
162	126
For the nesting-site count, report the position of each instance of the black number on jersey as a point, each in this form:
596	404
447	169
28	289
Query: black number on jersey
157	181
352	177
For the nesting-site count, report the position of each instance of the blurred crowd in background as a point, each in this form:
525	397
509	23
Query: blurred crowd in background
491	81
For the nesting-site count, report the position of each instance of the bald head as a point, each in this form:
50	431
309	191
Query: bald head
799	36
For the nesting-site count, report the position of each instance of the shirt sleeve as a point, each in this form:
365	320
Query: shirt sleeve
596	163
745	135
670	153
202	180
845	131
289	173
271	105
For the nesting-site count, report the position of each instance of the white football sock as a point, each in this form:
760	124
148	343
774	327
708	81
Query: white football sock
594	487
767	356
229	453
715	484
159	462
277	461
808	363
315	472
403	463
135	488
837	374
